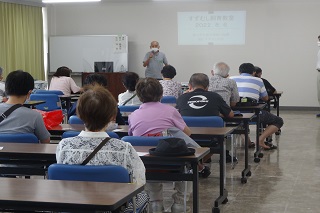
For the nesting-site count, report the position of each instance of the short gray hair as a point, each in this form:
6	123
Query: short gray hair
221	69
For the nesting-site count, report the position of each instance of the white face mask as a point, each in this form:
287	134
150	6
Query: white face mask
154	50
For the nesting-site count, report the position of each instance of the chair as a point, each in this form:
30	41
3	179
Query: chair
19	138
205	121
52	101
69	134
57	92
142	140
75	120
168	100
10	166
129	108
100	173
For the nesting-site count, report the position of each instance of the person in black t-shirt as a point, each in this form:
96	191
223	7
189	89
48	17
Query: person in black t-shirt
200	102
270	89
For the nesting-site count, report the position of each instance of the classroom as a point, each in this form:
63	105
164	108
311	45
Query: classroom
279	36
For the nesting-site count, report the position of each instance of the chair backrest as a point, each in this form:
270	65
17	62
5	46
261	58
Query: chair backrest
19	138
52	101
129	108
69	134
75	120
142	140
203	121
100	173
41	91
168	100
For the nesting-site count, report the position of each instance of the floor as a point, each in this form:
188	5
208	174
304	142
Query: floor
286	180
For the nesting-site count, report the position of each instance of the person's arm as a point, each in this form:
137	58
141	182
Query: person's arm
148	57
73	86
187	130
165	61
47	140
234	99
135	166
40	130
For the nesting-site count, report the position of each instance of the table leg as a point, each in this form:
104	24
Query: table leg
257	154
195	187
223	198
246	172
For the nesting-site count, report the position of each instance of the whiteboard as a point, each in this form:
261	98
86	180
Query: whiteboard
80	52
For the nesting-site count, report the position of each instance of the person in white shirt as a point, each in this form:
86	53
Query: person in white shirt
97	108
62	81
318	69
129	97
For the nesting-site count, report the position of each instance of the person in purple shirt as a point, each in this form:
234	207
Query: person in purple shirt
151	119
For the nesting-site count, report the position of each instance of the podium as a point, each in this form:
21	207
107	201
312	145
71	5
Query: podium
114	80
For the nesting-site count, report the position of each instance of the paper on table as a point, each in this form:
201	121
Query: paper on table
142	153
1	147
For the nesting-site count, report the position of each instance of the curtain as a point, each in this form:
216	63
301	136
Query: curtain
21	39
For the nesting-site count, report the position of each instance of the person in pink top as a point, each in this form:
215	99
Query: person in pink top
151	119
62	81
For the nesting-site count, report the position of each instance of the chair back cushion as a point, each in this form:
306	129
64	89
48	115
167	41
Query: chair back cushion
69	134
203	121
52	101
128	108
57	92
168	100
101	173
142	140
19	138
75	120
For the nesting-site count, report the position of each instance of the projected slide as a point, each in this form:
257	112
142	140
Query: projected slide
211	28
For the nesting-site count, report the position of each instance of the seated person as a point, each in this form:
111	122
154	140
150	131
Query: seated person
253	87
224	86
2	88
270	89
151	119
62	81
102	81
19	85
170	87
97	108
129	97
208	103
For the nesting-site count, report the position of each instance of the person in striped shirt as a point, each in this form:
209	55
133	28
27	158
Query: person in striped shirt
253	87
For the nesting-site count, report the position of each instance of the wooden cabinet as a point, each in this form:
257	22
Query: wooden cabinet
115	85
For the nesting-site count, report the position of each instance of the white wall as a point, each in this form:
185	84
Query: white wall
281	38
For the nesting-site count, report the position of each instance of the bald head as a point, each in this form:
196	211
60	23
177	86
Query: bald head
154	44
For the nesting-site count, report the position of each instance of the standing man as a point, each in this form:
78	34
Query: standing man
318	79
154	61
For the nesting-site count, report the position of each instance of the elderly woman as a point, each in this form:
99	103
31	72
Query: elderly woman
170	87
97	108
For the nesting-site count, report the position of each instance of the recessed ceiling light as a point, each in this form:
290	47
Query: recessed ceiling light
68	1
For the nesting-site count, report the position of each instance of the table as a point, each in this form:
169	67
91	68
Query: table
256	110
68	98
206	132
277	96
32	104
64	196
245	118
46	153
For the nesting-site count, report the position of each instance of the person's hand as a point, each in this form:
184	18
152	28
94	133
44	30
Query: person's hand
151	55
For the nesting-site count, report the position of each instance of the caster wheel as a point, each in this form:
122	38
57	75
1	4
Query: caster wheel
243	180
216	210
260	155
249	174
225	201
257	160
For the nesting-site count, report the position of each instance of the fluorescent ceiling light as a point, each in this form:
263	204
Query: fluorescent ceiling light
68	1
